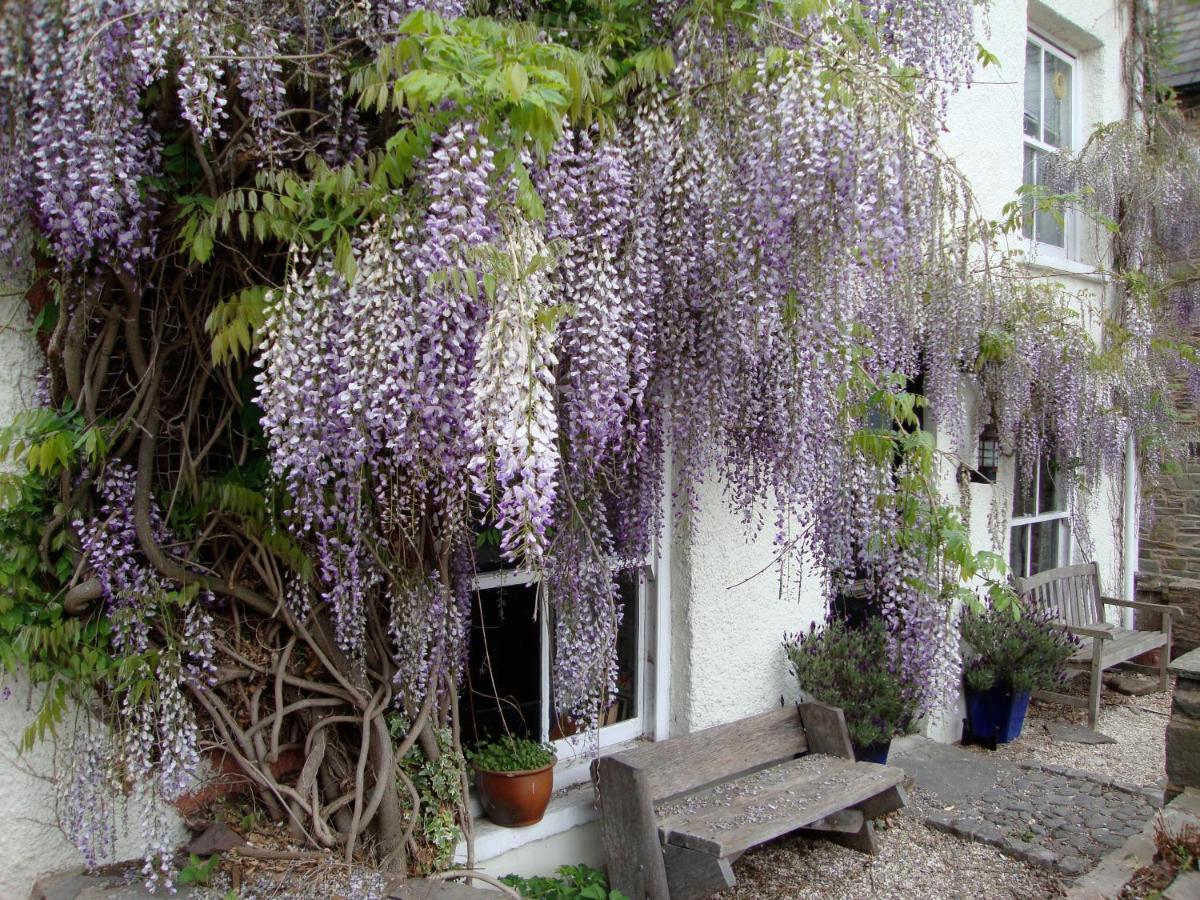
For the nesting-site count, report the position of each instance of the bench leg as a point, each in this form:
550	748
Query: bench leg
862	839
881	804
1095	687
1164	656
692	875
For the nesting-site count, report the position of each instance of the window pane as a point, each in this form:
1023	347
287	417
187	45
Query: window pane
1048	224
626	705
1024	492
1016	552
504	668
1027	200
1050	498
1047	546
1033	90
1056	86
623	704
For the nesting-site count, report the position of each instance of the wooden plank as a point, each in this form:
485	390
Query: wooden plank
755	808
629	831
825	730
847	820
882	804
1128	644
1121	646
862	840
1025	585
1057	697
691	761
693	875
1094	688
1096	598
1085	600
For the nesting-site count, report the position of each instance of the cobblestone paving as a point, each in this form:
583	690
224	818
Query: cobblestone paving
1050	816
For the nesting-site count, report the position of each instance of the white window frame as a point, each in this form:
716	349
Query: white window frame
578	745
1023	525
1034	247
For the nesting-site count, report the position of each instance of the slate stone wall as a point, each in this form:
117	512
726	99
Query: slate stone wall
1169	545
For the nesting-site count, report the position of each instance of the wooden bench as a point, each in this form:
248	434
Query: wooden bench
1072	595
675	815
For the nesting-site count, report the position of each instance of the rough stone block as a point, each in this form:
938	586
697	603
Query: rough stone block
1186	886
1073	865
1186	700
1183	752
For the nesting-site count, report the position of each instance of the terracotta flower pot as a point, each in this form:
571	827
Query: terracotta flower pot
515	799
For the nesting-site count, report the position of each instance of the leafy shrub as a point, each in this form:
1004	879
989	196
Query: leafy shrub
437	785
511	754
855	669
1021	648
582	882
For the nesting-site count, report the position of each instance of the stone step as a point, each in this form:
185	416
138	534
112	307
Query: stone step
76	885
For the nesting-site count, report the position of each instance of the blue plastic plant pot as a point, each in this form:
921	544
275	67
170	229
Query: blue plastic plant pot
997	714
876	753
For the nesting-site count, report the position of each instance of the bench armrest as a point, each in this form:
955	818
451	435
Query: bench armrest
1083	631
1173	611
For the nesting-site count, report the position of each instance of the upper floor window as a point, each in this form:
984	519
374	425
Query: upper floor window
1049	126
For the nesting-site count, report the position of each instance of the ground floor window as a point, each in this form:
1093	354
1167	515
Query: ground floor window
1041	523
508	685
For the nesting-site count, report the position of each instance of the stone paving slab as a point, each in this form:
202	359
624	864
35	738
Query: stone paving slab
1106	880
1071	733
76	885
1050	816
1184	887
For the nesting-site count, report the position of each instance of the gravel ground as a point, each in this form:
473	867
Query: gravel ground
1138	724
913	862
325	880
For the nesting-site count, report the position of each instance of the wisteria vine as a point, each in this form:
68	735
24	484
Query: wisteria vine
333	289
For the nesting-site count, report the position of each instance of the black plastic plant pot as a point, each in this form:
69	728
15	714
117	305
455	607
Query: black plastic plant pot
996	715
876	753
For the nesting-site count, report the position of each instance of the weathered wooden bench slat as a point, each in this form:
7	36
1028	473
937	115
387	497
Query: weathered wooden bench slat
744	813
693	760
1126	645
809	775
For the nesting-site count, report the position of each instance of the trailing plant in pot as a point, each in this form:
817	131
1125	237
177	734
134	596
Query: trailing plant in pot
857	670
515	777
1009	653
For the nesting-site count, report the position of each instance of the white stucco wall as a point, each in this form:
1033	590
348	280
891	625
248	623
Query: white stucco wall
727	661
730	613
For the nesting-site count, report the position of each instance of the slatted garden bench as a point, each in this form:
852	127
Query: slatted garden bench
1072	595
675	815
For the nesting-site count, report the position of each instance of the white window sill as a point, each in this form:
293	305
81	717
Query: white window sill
1053	265
572	804
569	808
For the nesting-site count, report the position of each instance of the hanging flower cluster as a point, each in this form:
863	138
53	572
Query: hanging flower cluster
158	742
